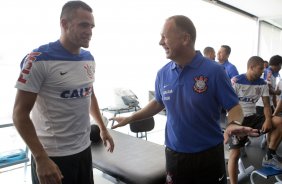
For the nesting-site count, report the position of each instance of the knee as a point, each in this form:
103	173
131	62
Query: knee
277	122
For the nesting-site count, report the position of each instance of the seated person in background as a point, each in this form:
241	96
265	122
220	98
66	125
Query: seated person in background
278	88
270	74
209	53
278	109
265	64
250	87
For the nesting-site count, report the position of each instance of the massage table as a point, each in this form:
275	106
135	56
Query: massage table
134	160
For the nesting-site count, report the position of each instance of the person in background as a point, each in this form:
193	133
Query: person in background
222	57
265	64
270	75
250	87
192	89
231	70
278	109
209	53
56	86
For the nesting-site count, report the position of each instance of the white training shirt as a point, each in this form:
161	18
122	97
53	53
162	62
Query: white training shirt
64	84
249	92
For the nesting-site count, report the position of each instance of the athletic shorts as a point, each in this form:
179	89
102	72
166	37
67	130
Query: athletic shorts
260	110
255	121
194	168
75	168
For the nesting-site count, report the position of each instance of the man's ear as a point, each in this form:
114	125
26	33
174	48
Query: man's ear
64	23
187	38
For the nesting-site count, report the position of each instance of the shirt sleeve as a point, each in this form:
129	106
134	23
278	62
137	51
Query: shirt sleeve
225	93
32	74
233	71
265	91
158	96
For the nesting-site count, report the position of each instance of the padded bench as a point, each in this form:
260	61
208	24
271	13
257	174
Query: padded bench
133	161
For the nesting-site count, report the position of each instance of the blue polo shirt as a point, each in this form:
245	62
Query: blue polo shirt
193	98
231	69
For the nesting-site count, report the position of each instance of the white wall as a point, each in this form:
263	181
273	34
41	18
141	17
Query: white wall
270	41
125	40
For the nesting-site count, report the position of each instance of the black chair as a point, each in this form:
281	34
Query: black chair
141	127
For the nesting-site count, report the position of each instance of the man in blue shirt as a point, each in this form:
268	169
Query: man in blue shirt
231	70
193	90
222	56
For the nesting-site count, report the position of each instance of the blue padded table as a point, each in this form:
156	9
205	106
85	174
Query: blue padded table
133	161
266	172
13	157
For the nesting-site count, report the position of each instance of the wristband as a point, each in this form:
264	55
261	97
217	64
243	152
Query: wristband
234	123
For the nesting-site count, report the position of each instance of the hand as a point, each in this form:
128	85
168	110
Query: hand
267	126
240	131
122	121
107	138
48	172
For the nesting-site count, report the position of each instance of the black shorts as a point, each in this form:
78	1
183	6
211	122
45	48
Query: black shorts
255	121
75	168
260	110
194	168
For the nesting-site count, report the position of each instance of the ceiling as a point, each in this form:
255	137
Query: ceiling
266	10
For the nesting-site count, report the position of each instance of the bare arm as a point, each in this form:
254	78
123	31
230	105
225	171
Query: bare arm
21	117
235	114
235	118
152	108
266	108
267	113
46	169
278	108
95	112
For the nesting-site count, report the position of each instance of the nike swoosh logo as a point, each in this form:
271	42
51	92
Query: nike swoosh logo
219	179
63	73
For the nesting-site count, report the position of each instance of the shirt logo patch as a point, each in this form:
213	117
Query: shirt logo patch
200	84
258	91
90	70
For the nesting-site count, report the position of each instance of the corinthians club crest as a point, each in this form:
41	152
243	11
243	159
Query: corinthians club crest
200	85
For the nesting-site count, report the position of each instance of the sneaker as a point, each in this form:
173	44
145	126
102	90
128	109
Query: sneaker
273	162
279	158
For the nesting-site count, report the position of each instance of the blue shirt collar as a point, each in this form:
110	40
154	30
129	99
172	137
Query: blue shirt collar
196	61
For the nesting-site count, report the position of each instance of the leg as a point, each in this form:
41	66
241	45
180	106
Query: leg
233	165
76	168
271	159
194	168
275	136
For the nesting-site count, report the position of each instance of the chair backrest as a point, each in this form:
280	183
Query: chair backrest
144	125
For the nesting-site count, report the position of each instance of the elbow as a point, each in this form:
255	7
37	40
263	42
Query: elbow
18	116
15	116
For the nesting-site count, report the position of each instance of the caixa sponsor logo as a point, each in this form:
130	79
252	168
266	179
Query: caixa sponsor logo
77	93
